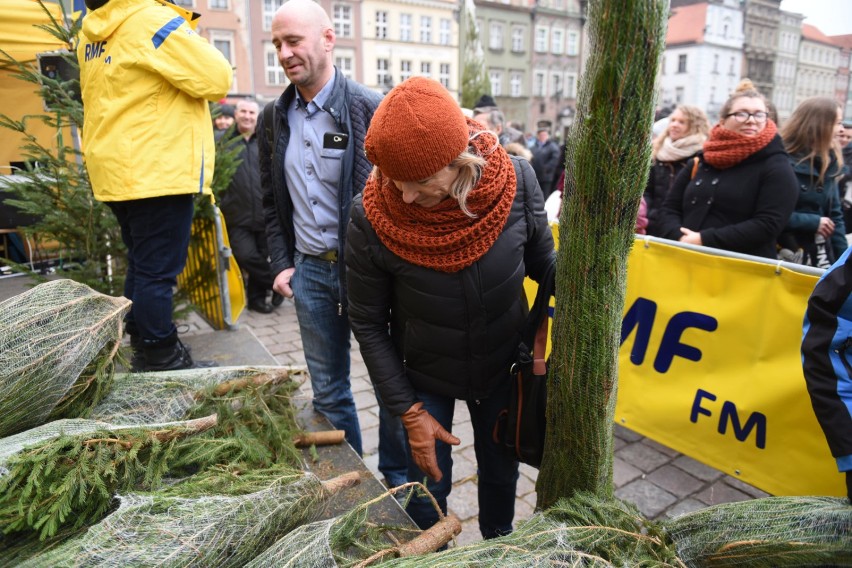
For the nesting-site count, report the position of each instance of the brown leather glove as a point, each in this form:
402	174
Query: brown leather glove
423	430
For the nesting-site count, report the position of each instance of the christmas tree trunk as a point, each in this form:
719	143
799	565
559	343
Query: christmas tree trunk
608	154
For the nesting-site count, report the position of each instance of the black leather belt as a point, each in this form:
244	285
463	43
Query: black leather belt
329	256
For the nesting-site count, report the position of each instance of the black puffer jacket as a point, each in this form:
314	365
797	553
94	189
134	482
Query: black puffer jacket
452	334
742	208
660	180
242	202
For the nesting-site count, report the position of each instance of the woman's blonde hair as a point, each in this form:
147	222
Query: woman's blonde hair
744	89
696	123
809	133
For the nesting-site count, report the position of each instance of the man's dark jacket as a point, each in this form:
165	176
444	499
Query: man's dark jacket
547	161
242	203
352	107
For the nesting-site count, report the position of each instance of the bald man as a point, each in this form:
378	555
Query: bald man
315	167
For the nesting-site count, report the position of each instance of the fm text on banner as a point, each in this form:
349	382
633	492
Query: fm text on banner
710	366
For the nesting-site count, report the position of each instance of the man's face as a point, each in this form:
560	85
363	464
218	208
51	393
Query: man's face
543	136
303	49
246	116
845	137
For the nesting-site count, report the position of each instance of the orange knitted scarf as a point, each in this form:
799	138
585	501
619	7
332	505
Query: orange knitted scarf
725	148
443	237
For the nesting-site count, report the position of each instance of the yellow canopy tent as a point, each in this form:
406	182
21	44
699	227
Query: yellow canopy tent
22	40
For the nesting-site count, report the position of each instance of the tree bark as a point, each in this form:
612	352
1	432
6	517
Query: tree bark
608	155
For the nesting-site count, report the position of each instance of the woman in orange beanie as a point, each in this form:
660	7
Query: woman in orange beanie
743	190
437	250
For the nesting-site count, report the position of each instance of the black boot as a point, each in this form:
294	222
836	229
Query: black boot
137	360
170	355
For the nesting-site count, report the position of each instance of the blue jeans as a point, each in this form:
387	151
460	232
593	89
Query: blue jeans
497	471
325	339
156	234
393	447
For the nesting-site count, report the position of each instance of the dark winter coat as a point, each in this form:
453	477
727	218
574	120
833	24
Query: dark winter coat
242	202
451	334
547	163
660	179
816	200
741	209
352	106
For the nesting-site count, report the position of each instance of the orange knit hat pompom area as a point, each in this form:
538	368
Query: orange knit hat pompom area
417	130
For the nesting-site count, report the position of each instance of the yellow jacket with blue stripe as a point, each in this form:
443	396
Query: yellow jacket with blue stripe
146	76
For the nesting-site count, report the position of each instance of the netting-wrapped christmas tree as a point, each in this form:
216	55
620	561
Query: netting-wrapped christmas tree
65	473
58	342
222	518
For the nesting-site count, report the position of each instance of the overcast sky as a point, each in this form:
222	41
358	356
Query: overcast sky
832	17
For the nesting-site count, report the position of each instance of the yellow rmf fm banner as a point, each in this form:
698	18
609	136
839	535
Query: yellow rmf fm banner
710	366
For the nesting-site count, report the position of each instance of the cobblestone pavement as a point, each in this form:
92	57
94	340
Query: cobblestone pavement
658	480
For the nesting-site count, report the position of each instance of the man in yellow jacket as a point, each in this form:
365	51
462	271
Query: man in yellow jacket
146	77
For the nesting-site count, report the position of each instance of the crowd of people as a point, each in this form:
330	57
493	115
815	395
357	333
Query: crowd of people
369	212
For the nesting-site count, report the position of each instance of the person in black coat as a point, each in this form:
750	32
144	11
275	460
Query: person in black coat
547	161
437	249
242	206
744	189
676	146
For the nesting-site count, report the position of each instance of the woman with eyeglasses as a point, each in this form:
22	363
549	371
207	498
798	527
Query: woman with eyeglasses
816	227
741	192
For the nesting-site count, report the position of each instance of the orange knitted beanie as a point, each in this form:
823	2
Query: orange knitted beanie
417	130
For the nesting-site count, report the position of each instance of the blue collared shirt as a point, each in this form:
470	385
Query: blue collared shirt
313	174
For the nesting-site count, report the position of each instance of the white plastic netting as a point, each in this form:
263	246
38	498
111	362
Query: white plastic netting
774	531
140	398
165	529
57	343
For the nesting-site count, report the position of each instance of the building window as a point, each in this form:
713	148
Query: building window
344	64
224	42
426	69
515	84
405	27
218	4
715	63
557	41
444	32
571	83
731	66
541	40
404	70
681	63
495	36
556	86
517	39
444	75
538	84
274	72
381	25
678	95
496	78
342	17
185	3
425	29
383	78
573	47
269	9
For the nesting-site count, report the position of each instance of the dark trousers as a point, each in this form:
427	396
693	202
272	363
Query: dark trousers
497	471
252	254
156	233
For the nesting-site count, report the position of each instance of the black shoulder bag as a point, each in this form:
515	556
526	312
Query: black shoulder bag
520	428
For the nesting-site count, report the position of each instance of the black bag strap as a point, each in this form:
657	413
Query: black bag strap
535	330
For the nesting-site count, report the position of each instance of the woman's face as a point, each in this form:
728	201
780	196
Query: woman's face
839	131
678	125
430	191
751	126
